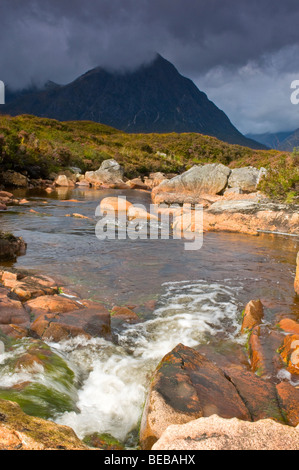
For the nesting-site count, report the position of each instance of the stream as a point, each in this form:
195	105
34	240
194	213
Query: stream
198	297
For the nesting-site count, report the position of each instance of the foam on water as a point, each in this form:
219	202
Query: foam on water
116	377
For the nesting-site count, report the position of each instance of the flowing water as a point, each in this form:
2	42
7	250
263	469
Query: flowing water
199	296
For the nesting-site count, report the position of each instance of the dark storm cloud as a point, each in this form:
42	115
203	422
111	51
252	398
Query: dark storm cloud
60	39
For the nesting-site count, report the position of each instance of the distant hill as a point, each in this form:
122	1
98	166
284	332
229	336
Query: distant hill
40	147
271	141
290	142
153	98
285	141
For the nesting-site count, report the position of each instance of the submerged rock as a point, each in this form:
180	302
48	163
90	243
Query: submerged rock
216	433
125	315
103	442
115	205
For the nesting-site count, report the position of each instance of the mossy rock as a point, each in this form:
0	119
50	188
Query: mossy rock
103	442
19	431
50	389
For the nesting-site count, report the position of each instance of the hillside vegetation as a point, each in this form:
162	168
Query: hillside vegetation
41	146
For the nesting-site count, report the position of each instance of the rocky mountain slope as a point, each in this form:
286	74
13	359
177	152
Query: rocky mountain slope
153	98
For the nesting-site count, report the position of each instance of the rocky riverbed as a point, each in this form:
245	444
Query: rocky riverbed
214	351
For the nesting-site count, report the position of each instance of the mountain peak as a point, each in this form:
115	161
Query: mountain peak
153	98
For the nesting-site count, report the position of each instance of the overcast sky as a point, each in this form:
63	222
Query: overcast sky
242	53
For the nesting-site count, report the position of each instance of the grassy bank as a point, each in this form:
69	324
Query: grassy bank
44	146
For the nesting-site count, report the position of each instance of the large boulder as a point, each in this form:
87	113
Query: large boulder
200	179
12	178
216	433
244	178
187	386
110	172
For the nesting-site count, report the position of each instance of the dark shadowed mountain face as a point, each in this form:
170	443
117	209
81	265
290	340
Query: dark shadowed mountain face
154	98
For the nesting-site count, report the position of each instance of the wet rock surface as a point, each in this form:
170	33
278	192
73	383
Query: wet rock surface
190	384
186	386
86	322
37	310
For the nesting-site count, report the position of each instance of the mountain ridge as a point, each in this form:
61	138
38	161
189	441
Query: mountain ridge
284	141
155	98
272	140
